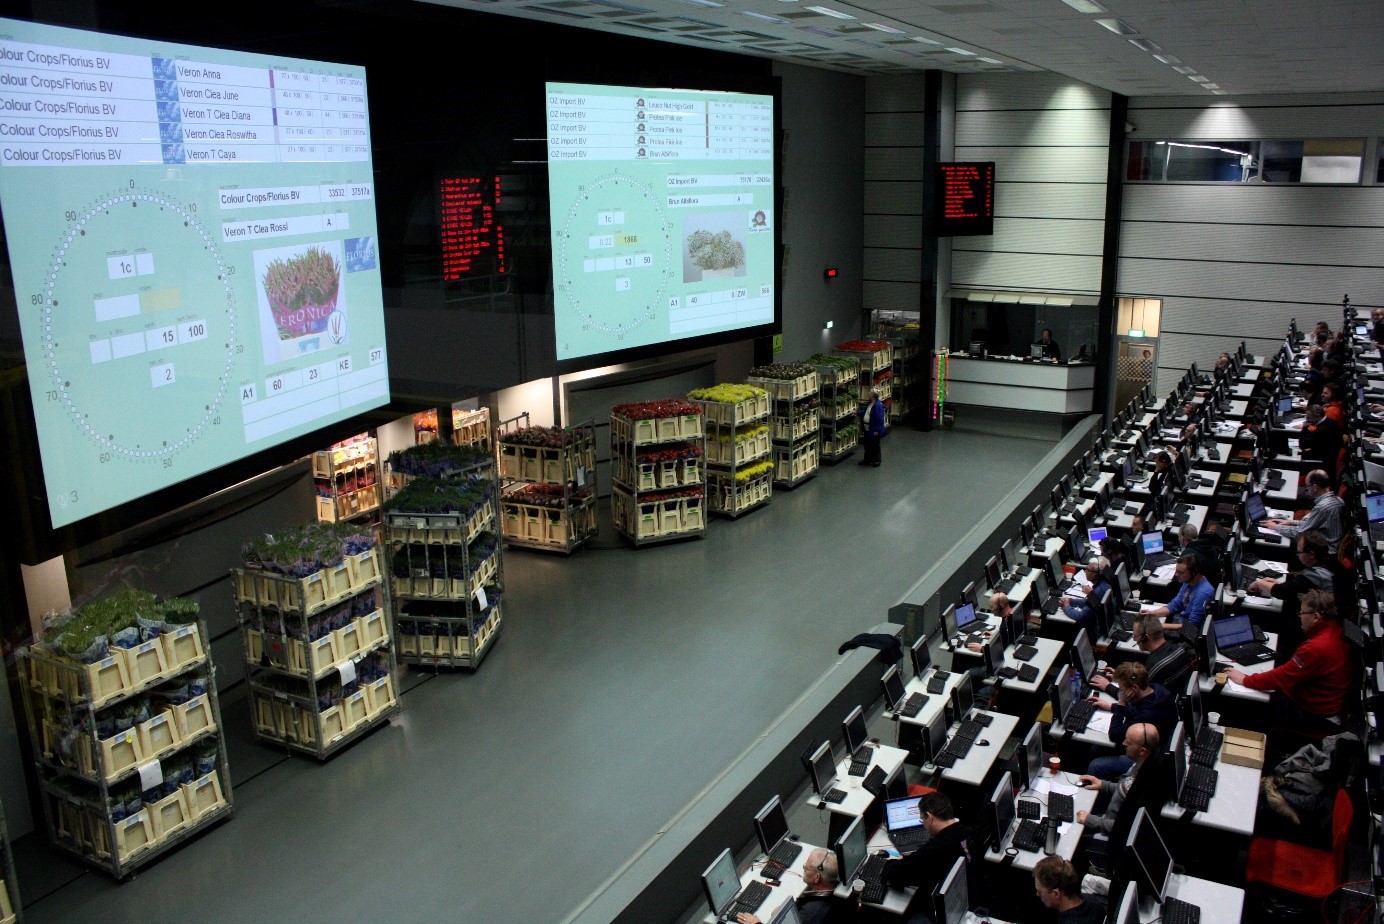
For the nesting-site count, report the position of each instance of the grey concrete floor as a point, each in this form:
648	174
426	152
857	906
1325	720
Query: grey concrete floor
623	682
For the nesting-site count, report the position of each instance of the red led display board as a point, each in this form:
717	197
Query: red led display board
472	240
965	199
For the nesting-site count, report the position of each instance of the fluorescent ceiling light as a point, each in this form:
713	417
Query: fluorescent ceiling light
703	3
961	51
926	41
990	61
828	11
1117	26
1211	86
763	18
1204	147
1167	59
881	27
1085	6
1198	78
1220	92
1144	44
1185	70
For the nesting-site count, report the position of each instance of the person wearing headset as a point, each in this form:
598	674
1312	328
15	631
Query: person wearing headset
816	904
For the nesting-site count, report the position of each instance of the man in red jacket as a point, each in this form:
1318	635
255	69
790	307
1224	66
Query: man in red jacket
1313	683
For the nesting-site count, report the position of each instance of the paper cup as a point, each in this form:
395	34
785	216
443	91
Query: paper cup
1054	765
1214	718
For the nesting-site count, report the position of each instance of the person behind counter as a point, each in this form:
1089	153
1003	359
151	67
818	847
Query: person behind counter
1050	348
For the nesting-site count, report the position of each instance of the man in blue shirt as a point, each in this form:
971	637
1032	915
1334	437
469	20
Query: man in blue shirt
872	418
1188	609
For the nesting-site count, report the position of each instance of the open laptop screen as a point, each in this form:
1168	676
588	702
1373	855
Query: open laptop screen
1374	507
1233	630
1254	507
1153	543
965	615
903	814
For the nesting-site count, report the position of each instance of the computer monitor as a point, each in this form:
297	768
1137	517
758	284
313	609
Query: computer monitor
1095	535
968	595
1066	485
1083	657
821	768
1196	706
1110	604
1128	908
1041	589
850	850
1009	554
921	655
1209	651
1055	495
1285	404
854	730
1054	570
1128	468
721	882
936	737
965	617
1032	764
1254	510
787	913
949	622
951	902
961	697
1061	693
1153	861
1179	753
993	572
1075	547
1018	622
893	687
771	824
1026	530
1374	507
1037	350
1003	812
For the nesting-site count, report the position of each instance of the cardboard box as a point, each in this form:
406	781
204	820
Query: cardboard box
1244	748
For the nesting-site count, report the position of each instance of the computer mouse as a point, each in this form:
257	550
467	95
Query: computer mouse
983	743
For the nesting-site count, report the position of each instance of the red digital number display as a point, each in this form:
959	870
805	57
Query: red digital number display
472	241
965	199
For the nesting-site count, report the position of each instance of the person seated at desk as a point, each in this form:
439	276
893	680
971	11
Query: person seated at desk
1333	403
1169	661
1326	515
1320	571
1188	607
1207	546
1321	441
1050	348
1140	743
1314	682
926	866
1162	463
1059	888
1315	377
816	905
1082	612
1139	702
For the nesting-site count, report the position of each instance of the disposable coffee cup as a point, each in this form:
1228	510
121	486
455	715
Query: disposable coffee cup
1054	765
1214	718
1221	678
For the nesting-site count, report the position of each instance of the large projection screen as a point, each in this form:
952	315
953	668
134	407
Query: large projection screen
662	206
192	233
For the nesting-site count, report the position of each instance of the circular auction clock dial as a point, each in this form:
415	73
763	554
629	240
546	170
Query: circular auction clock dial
634	285
138	325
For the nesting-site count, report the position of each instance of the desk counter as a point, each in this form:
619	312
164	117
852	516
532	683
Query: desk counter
1055	388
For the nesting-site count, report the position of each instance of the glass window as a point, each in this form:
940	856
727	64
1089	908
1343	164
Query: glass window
1321	160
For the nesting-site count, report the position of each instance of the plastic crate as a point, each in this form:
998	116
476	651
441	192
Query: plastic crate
170	815
364	568
355	709
119	753
313	657
194	716
133	834
379	695
348	641
203	796
145	662
159	734
371	629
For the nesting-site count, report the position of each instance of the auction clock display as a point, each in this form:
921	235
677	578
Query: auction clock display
193	243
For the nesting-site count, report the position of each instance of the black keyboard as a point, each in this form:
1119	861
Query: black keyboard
750	898
969	730
1202	778
910	840
785	853
834	796
873	868
913	705
1078	716
1179	912
1205	757
1195	799
1030	809
1208	737
1061	806
1028	673
873	893
1029	639
1025	652
1005	586
874	782
1120	635
1031	835
983	719
773	871
858	766
1248	653
1050	605
936	683
1007	672
946	758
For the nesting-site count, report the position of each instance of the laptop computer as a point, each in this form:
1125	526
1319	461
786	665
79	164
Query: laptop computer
1154	555
1237	640
903	821
1256	513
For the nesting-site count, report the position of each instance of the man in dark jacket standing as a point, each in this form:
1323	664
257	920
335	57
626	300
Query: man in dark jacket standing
872	417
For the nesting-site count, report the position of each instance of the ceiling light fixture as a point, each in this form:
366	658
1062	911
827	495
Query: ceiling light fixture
926	41
1086	6
1167	59
989	60
1211	86
962	51
1144	44
1198	78
1184	69
1220	92
1118	26
828	11
881	27
764	18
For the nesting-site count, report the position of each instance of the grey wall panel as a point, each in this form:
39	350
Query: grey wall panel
1253	243
889	128
1027	91
891	296
893	163
1063	128
1347	206
1029	235
894	94
1140	103
1218	279
893	198
1228	123
1071	165
893	231
1026	272
1239	319
887	265
1049	200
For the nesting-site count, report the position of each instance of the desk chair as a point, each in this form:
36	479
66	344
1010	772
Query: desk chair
1304	871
